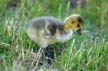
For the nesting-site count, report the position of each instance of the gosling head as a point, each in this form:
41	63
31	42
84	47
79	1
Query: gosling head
73	22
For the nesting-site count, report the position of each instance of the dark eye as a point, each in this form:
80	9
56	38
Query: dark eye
78	25
73	22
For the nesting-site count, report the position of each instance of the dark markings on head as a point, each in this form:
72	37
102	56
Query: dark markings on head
80	19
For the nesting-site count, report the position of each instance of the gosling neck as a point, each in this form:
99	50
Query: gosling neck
66	27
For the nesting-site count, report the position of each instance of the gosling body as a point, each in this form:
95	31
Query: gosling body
47	30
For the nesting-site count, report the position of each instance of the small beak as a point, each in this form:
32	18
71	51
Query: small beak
79	31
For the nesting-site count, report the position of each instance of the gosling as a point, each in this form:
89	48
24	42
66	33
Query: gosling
49	30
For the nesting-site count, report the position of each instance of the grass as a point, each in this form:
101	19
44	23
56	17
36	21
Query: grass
88	52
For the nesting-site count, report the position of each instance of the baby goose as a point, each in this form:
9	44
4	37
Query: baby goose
49	30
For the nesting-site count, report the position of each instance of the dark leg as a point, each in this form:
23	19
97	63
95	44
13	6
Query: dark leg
49	55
